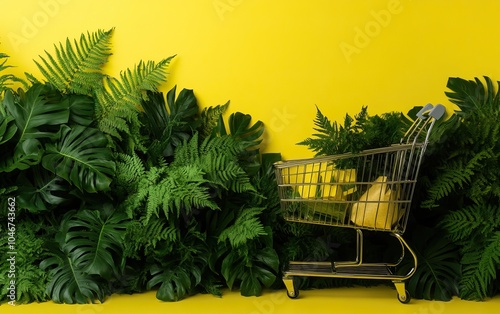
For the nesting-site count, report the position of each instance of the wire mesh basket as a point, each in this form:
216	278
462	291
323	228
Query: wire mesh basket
370	190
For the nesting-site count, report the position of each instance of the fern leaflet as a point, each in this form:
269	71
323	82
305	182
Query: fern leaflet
77	67
246	227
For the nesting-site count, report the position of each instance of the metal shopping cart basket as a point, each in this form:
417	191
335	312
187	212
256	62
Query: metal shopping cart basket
370	190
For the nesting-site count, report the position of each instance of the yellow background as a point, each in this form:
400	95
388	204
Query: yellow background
277	59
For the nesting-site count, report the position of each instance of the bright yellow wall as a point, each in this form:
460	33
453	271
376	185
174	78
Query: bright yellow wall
277	59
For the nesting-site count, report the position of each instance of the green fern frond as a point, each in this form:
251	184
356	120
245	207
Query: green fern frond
333	138
480	266
135	201
119	101
454	175
226	145
129	170
31	281
210	118
76	68
226	173
187	153
182	190
170	190
143	238
217	158
462	223
246	227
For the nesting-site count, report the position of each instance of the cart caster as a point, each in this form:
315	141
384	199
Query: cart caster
294	294
291	288
406	298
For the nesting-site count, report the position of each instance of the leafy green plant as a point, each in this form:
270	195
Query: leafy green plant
183	183
463	182
88	250
7	80
476	230
77	66
49	154
30	280
181	271
438	269
357	133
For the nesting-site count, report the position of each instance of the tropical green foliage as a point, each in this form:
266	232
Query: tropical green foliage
86	256
7	80
185	185
77	66
438	269
462	181
31	281
357	133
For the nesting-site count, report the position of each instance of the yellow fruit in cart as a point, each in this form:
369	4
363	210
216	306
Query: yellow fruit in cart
377	207
320	181
346	176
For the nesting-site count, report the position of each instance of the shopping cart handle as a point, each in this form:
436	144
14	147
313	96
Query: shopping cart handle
424	109
437	112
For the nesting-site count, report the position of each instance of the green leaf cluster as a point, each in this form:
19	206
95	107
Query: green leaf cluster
461	182
86	256
356	133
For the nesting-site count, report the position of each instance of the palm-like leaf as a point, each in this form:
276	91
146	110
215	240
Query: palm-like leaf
40	190
438	266
169	128
77	67
253	275
118	102
7	128
180	273
69	283
474	96
7	79
82	158
96	240
33	113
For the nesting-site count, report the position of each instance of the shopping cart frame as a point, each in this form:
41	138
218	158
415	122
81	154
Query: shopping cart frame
303	200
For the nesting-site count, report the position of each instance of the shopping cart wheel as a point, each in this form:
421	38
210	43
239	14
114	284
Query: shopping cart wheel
404	298
292	290
294	294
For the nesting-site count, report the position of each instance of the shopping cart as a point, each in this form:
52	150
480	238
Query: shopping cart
370	190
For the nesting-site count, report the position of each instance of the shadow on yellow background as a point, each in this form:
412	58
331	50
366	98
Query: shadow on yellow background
276	60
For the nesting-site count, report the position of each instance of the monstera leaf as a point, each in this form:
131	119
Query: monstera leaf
87	250
7	128
81	157
69	284
438	268
25	154
33	113
40	190
96	239
31	118
253	273
473	95
169	123
180	272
